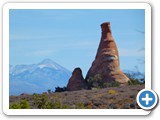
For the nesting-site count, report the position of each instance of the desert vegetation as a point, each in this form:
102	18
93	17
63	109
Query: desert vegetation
97	82
122	97
23	104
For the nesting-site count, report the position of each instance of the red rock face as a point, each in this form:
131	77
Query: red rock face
76	82
107	63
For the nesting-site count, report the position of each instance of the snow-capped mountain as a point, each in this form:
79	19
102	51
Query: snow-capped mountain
37	78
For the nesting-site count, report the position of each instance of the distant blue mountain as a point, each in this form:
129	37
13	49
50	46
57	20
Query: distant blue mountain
37	78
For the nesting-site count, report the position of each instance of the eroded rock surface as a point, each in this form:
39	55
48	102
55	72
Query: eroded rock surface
106	62
76	82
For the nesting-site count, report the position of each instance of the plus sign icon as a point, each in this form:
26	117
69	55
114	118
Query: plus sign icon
147	99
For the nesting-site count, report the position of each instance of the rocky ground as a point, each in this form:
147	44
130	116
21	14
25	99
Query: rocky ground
123	97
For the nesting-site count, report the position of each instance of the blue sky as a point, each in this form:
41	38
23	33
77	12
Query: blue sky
71	37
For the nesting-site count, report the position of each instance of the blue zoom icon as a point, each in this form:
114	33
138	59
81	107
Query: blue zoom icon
147	99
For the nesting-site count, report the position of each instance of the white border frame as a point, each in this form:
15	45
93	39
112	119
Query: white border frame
8	6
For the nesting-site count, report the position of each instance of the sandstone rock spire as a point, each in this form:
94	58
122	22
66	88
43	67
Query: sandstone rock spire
106	62
76	82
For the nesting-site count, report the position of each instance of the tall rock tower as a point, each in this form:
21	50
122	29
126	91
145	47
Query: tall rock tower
107	63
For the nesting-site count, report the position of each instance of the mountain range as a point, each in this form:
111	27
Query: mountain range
37	78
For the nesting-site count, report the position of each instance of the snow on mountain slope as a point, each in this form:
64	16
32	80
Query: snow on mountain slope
37	78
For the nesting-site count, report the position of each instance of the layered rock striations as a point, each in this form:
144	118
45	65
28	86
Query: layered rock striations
76	82
106	63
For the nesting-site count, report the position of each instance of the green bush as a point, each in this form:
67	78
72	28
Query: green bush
22	105
15	106
42	102
59	89
134	82
80	106
95	82
133	79
65	107
112	84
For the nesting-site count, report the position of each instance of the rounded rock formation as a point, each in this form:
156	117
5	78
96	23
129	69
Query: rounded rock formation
76	82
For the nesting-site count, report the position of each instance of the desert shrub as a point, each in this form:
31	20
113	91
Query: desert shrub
80	106
95	82
134	82
133	105
88	107
22	105
59	89
112	92
97	104
42	102
65	107
126	106
56	105
112	106
132	96
133	78
112	84
15	106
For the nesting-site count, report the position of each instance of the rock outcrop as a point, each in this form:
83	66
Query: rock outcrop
76	82
106	63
